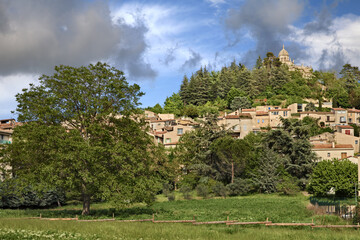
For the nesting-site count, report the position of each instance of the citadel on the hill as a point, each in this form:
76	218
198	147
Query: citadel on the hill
285	59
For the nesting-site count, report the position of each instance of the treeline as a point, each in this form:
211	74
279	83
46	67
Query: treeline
235	86
280	160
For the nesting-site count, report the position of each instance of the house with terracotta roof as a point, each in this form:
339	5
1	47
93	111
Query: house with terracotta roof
340	116
326	118
240	124
275	116
327	151
353	116
337	138
5	136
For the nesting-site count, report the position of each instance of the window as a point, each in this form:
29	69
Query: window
343	119
275	113
258	121
343	155
328	154
285	113
356	141
168	140
180	131
328	118
347	132
350	120
262	121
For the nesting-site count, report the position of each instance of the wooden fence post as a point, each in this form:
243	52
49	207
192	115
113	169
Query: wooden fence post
153	218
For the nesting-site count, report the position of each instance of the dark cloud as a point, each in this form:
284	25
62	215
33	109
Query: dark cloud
170	55
267	21
37	35
193	61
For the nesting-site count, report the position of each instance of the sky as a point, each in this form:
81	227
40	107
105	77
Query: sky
156	42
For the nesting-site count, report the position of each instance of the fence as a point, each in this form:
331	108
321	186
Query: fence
227	222
342	207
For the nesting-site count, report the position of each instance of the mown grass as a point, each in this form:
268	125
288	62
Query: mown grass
147	230
249	208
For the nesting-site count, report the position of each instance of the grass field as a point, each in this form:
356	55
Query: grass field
250	208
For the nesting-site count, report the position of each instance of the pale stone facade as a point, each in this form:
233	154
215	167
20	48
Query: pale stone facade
329	151
285	59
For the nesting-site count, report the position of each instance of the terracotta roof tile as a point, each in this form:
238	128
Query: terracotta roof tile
329	145
280	109
345	127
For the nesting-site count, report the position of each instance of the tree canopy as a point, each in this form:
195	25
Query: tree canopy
81	133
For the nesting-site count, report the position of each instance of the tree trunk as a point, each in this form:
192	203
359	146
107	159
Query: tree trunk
86	201
86	204
232	172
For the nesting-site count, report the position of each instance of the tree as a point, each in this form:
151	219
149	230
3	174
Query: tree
73	136
173	104
340	175
310	107
240	102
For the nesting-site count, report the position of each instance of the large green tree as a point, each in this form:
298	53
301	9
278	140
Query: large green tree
80	134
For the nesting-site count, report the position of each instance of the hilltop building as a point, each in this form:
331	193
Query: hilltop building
285	59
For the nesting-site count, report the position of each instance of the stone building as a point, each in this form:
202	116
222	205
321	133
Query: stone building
285	59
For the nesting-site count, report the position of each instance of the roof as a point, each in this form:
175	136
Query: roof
262	113
353	110
232	117
345	126
318	113
162	120
330	146
283	52
240	115
280	109
248	110
171	143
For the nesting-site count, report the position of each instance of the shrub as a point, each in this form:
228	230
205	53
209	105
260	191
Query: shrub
185	190
219	190
167	188
171	197
288	185
239	187
202	190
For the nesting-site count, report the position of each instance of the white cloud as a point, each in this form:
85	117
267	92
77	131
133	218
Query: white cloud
326	48
9	87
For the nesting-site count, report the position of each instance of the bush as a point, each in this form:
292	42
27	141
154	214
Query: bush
202	190
167	188
219	190
356	218
288	185
171	197
185	190
12	195
239	187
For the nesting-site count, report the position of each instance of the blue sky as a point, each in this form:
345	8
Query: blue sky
157	42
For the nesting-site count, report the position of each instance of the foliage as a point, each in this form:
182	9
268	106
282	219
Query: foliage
14	195
340	175
240	102
240	187
202	190
173	104
310	107
156	109
186	191
219	189
73	138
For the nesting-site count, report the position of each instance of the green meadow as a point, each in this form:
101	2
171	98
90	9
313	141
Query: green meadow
275	207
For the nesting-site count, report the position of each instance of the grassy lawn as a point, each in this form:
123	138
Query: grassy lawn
250	208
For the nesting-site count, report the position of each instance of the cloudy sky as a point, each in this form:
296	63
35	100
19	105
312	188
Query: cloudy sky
157	42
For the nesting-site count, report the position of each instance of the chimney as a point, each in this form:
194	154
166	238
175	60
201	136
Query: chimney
333	144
